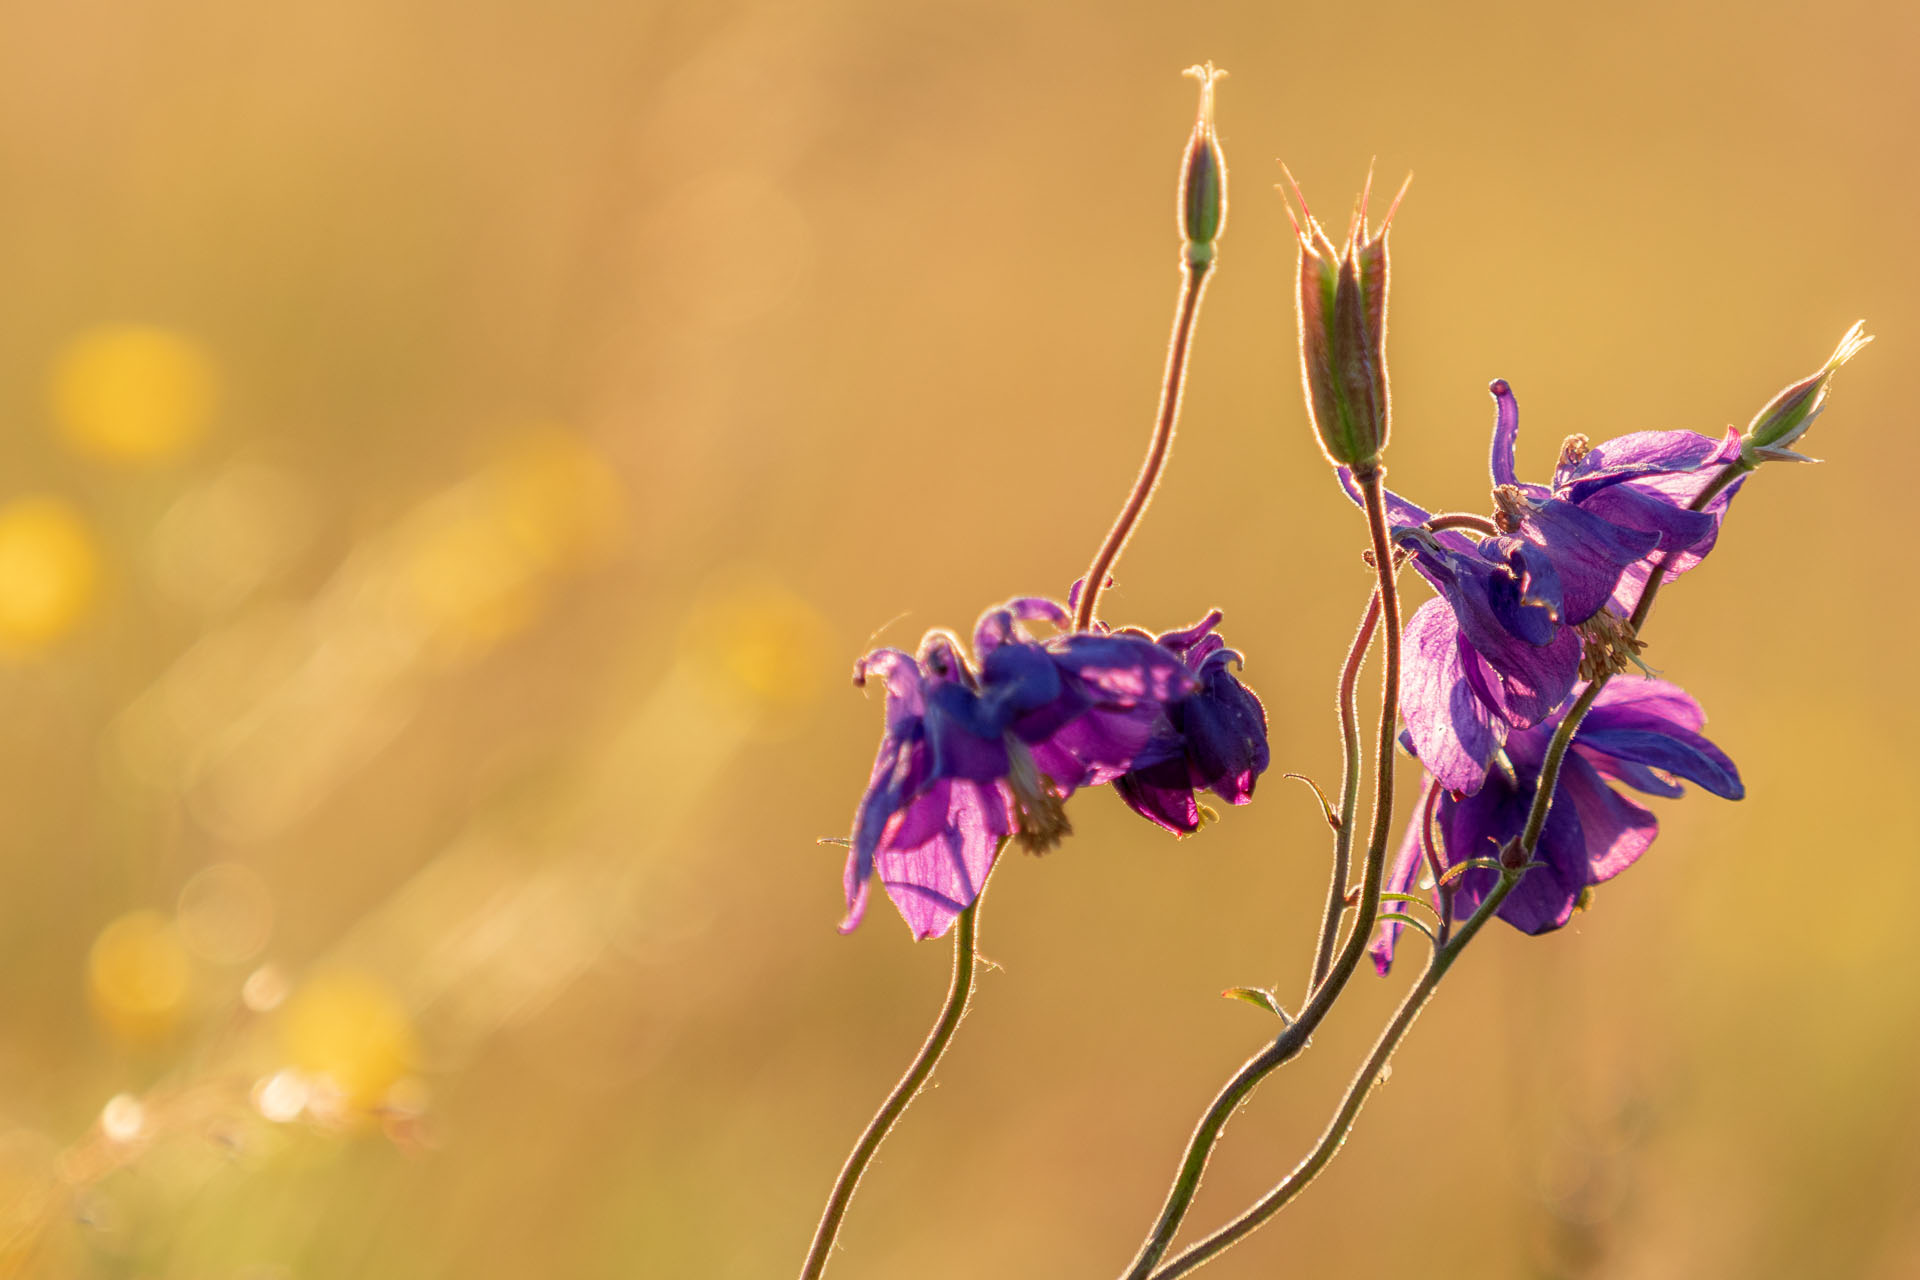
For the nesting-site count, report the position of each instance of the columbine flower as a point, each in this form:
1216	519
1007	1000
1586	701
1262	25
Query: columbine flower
1526	612
1219	736
1641	731
971	757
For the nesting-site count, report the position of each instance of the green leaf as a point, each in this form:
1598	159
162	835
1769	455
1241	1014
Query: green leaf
1260	998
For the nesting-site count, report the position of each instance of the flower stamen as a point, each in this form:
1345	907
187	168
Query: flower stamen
1042	815
1608	646
1573	449
1510	507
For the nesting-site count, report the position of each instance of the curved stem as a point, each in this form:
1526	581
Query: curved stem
1204	1251
1193	283
903	1093
1349	792
1464	520
1513	870
1206	1134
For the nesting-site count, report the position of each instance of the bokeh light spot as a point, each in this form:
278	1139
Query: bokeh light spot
123	1119
758	645
49	570
134	393
350	1031
139	976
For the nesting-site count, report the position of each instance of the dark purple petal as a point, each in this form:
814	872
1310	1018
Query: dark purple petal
967	735
1162	794
1588	552
1533	679
1631	507
1615	830
1186	639
1454	733
1225	728
1475	826
1639	723
1545	897
1525	599
1506	431
1101	744
1122	670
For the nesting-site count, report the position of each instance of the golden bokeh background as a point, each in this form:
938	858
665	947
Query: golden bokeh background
454	453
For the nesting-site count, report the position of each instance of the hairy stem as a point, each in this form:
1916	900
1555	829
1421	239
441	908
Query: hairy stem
1349	792
1193	283
1206	1134
1294	1183
964	950
1522	857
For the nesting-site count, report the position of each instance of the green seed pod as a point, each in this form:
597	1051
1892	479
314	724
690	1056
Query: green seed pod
1342	302
1786	417
1203	178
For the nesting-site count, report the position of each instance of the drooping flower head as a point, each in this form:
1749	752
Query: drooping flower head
1543	601
972	755
1641	732
1220	730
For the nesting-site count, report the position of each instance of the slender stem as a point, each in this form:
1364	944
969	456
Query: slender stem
1294	1183
1288	1043
1728	474
1464	520
1443	958
1349	792
964	950
1193	283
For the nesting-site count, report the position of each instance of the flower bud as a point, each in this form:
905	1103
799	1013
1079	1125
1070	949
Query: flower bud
1343	335
1203	178
1787	416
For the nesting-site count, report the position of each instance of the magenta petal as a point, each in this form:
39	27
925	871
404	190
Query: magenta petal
1614	829
933	880
1454	733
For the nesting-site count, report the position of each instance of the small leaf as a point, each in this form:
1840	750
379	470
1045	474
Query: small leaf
1326	810
1259	997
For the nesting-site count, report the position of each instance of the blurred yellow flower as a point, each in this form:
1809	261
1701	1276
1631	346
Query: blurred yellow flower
138	977
48	571
480	558
560	496
758	645
134	393
351	1031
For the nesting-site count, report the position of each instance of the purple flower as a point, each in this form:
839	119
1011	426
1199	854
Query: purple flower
970	757
1642	732
1219	736
1527	611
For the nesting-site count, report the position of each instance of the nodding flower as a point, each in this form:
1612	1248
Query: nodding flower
977	752
1641	732
1542	601
1221	731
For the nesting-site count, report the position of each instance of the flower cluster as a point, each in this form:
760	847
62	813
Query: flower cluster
1529	611
978	752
